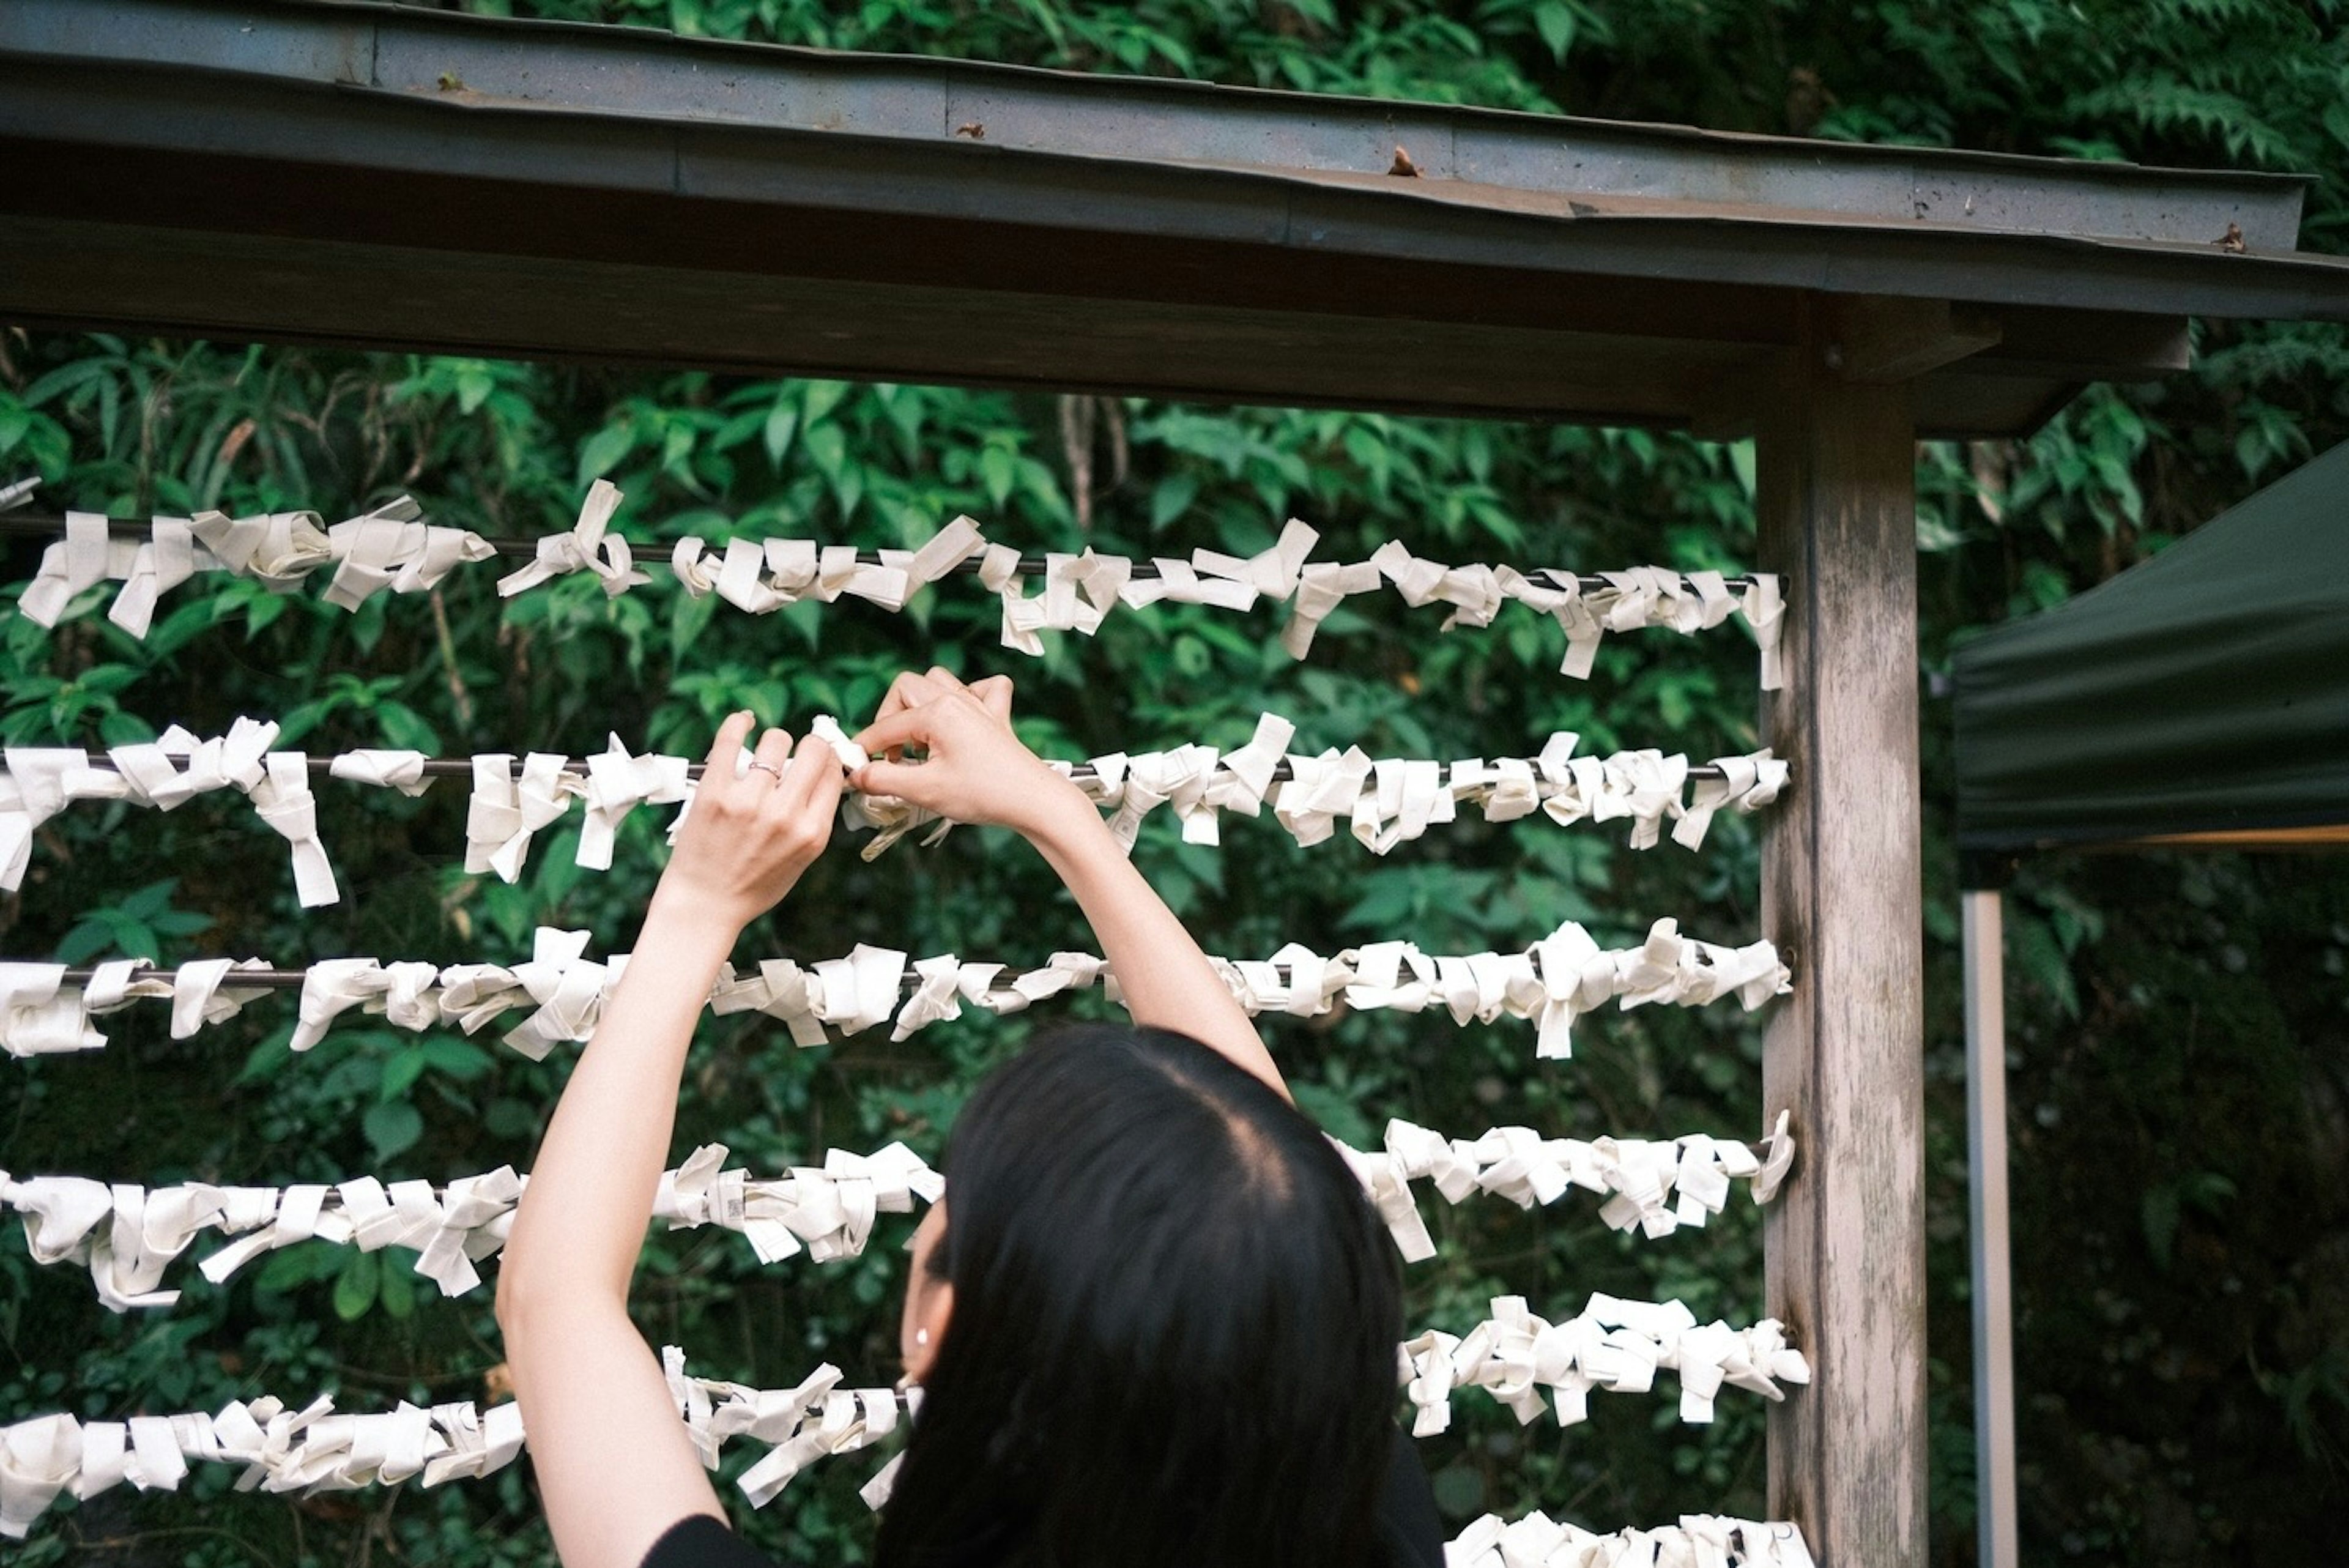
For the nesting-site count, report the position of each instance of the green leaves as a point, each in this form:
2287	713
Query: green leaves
141	925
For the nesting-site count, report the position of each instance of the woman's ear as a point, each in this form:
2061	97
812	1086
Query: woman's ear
930	1315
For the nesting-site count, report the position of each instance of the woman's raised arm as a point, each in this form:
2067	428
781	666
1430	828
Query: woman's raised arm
977	771
613	1463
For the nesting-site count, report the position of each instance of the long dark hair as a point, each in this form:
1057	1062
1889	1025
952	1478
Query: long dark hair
1172	1343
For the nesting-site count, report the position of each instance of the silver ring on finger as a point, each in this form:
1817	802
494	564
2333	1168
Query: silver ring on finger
769	769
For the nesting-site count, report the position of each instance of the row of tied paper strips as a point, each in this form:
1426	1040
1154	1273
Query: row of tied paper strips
126	1235
1384	802
314	1449
1559	979
1610	1345
390	548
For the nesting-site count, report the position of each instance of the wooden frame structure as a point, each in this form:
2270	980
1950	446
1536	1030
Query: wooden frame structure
386	176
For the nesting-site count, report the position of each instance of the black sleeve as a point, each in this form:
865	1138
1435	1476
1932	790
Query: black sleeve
697	1541
1409	1528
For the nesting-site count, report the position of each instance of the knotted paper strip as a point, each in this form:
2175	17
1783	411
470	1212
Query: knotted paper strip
1384	803
1698	1540
1556	981
1615	1346
1655	1186
125	1235
587	548
389	548
313	1449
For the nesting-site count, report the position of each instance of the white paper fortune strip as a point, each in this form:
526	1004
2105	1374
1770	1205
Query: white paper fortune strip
125	1235
167	773
390	548
387	548
1611	1345
1558	980
1383	802
1655	1186
1698	1540
313	1449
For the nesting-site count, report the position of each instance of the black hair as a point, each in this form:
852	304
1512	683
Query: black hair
1173	1341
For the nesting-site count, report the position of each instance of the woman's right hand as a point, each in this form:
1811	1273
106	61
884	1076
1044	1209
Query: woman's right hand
975	768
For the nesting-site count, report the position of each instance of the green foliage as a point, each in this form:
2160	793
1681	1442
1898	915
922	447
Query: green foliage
2163	1033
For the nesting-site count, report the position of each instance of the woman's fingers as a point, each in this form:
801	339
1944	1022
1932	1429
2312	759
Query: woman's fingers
908	690
728	744
909	726
994	693
774	754
812	782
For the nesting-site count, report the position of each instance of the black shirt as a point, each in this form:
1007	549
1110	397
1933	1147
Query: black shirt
1409	1530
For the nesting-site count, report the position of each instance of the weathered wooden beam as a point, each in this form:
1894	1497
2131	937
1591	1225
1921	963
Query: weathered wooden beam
1841	891
1878	341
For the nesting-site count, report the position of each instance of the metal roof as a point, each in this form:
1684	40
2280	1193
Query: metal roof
384	174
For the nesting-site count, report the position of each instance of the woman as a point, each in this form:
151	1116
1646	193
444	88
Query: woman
1154	1319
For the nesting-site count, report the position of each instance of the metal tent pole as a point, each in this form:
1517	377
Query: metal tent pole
1980	926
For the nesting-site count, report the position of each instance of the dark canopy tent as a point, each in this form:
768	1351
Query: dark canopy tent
2202	695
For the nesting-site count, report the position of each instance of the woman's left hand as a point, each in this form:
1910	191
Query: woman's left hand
747	839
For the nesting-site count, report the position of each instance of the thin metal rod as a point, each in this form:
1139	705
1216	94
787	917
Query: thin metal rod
1980	926
463	767
527	549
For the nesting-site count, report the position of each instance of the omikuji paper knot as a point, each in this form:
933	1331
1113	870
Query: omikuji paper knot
779	989
1079	591
41	1016
281	1450
587	548
278	549
1611	1345
1474	592
200	996
1273	572
177	767
37	784
82	560
402	770
283	798
616	785
1764	612
893	817
125	1235
167	559
1698	1540
1558	980
1655	1186
856	993
506	810
1385	803
390	548
1320	589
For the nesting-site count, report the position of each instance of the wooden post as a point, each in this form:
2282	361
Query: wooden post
1845	1243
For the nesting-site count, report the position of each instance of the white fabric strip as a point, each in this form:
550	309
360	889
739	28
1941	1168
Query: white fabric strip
1698	1540
1615	1346
389	547
1556	981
